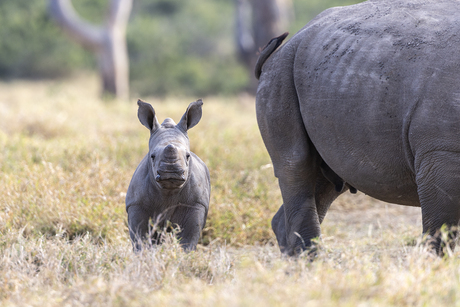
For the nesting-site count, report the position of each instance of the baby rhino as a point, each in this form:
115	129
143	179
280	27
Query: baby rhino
171	185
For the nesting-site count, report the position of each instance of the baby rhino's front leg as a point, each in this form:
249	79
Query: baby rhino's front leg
138	222
191	220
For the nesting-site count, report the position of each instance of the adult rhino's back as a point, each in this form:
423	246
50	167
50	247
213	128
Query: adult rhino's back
373	81
385	45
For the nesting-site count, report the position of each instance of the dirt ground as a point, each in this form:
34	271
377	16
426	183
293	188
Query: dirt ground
363	216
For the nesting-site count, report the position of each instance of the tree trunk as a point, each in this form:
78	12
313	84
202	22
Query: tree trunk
257	22
108	42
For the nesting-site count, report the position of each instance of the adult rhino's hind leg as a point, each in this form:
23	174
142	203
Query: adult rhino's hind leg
294	157
279	228
325	194
438	184
296	177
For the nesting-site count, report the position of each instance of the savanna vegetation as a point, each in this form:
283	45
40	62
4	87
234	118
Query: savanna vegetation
67	156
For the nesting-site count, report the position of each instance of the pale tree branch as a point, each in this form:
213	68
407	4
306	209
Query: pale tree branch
119	13
108	41
91	36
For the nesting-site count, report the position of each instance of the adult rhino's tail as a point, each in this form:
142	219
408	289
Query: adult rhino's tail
267	51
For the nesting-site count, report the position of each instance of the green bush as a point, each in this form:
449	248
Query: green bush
184	48
32	46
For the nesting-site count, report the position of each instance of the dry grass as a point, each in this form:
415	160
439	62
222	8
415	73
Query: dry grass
66	159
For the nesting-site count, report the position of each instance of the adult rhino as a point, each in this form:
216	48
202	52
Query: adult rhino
367	97
171	184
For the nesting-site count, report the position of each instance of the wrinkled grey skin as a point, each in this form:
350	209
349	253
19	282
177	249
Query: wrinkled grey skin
372	93
171	183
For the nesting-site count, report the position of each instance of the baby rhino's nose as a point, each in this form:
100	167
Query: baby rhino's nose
170	152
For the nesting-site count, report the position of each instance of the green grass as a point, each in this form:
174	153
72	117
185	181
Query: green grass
66	159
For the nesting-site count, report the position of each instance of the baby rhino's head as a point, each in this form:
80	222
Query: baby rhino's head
169	147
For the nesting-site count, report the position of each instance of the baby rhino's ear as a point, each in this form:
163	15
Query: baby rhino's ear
192	116
146	115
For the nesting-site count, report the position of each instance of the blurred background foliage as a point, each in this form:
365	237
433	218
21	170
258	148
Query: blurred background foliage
175	47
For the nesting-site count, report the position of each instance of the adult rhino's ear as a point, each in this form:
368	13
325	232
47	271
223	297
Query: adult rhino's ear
192	116
146	115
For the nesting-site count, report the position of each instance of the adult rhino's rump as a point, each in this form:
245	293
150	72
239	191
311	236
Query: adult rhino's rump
370	93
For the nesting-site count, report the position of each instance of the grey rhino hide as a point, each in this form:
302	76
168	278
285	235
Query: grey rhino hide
171	185
368	97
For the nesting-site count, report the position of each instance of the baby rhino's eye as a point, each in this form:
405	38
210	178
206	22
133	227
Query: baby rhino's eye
187	156
152	156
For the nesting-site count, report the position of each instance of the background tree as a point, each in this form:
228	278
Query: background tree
107	41
175	47
258	21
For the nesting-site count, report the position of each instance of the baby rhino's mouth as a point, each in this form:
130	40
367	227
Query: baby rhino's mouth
170	179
